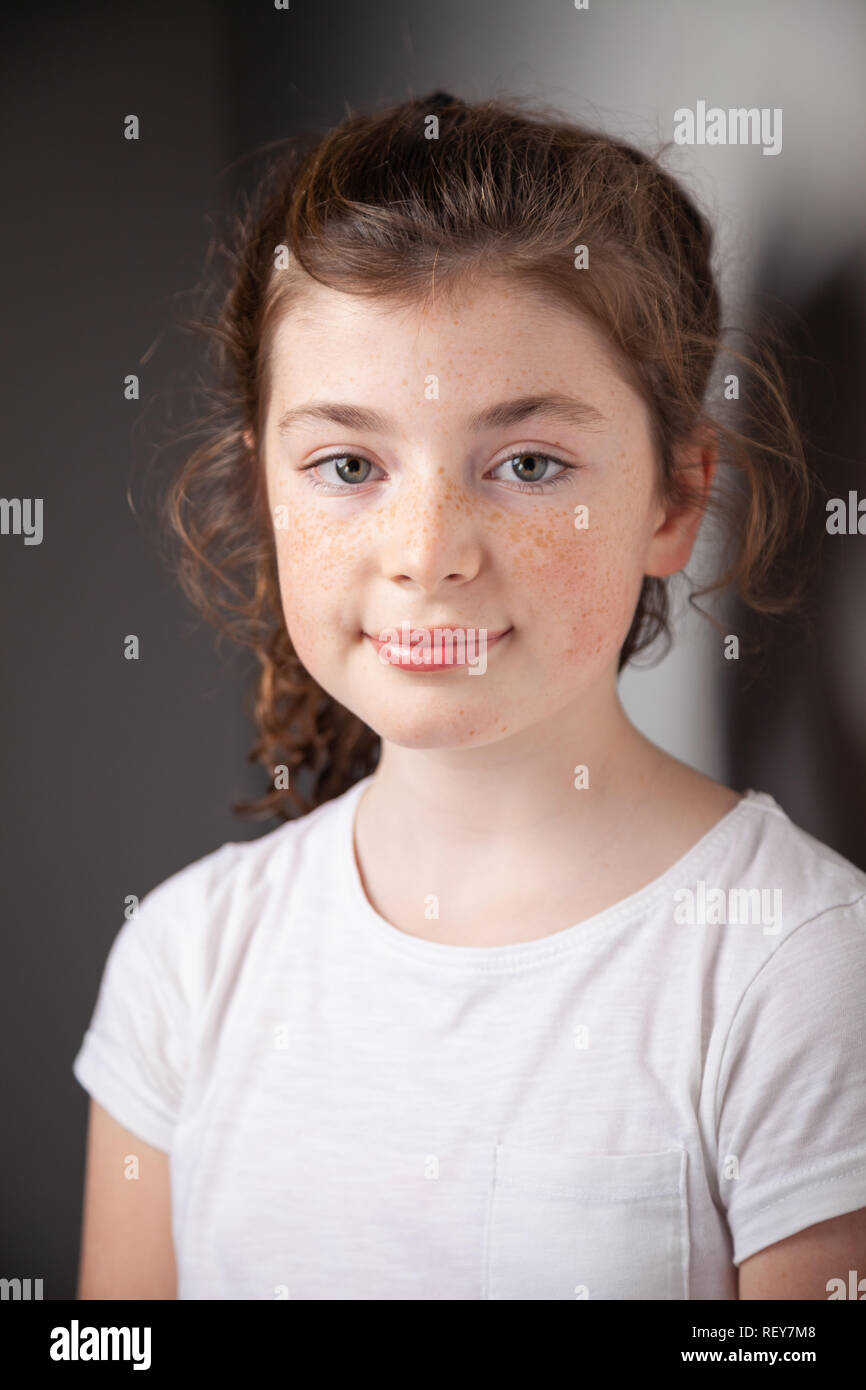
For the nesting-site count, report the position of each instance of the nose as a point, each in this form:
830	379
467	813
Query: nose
432	535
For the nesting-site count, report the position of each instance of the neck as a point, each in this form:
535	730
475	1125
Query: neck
517	801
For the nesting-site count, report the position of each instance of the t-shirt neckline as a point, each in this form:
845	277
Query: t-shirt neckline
516	955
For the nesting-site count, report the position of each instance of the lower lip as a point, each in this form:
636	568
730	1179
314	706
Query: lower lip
444	663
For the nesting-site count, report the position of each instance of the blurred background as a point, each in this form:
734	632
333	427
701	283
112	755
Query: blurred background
118	773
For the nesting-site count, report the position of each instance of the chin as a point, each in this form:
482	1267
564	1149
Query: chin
429	730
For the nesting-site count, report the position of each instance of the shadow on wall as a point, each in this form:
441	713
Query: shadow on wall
799	730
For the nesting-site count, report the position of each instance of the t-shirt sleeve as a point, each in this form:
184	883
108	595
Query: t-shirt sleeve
791	1094
133	1058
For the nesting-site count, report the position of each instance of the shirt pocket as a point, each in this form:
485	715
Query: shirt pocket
587	1225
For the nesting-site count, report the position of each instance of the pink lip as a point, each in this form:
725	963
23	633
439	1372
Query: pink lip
443	660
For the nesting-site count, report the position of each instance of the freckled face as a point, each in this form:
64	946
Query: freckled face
433	522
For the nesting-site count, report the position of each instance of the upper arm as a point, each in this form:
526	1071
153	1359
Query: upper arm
802	1265
126	1241
790	1107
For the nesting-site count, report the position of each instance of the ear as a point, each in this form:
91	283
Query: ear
675	535
250	441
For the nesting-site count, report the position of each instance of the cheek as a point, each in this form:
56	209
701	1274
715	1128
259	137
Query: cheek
578	587
312	561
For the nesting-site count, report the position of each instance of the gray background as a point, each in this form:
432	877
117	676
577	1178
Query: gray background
118	773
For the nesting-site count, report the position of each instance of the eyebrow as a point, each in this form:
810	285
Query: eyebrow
499	416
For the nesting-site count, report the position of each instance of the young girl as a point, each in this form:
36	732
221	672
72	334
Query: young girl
521	1007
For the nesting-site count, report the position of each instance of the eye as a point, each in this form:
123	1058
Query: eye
537	465
352	470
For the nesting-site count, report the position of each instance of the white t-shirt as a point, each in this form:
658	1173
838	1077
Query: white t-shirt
622	1110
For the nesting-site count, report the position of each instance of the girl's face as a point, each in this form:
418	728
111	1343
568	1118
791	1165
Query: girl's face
456	507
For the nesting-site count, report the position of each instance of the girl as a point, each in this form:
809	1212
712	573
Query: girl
521	1007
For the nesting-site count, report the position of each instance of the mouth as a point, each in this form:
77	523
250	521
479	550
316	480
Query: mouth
437	648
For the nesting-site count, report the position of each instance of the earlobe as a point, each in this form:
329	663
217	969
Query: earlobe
671	547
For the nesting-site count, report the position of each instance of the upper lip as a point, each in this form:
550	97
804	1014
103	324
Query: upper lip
434	627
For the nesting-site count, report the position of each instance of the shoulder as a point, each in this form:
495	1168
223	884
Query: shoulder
799	966
759	869
786	1070
775	918
198	921
752	837
812	879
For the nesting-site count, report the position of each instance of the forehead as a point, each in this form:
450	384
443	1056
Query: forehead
495	329
498	317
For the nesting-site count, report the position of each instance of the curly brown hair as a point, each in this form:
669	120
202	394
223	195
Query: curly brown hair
436	186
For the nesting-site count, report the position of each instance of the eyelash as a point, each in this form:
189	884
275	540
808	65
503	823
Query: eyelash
545	485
